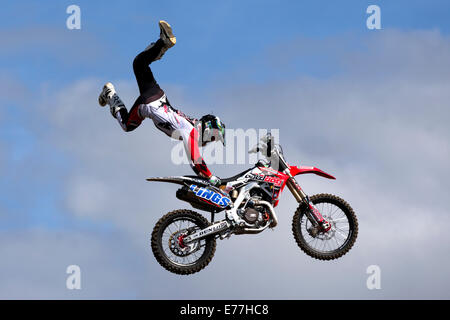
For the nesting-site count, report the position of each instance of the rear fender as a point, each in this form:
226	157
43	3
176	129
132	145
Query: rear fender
180	180
303	170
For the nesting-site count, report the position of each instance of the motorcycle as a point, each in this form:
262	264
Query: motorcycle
184	242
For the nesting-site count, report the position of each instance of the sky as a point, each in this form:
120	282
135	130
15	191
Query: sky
368	106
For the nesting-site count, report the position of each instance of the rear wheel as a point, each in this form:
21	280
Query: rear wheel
331	244
169	248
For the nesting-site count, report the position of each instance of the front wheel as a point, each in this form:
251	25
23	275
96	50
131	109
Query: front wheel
331	244
172	252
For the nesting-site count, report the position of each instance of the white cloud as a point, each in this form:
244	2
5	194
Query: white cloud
88	197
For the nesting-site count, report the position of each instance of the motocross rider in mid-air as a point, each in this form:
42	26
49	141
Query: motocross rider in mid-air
153	103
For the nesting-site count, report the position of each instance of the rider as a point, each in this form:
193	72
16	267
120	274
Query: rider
153	103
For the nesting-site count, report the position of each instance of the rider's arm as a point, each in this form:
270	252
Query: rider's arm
190	140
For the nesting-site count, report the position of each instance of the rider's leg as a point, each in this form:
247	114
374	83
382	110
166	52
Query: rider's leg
147	84
144	77
130	120
148	87
127	120
108	96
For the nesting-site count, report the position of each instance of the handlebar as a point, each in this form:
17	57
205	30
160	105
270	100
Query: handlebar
266	147
270	150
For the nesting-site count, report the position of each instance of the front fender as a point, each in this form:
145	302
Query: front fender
302	170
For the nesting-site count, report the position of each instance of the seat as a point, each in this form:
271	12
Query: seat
233	178
225	180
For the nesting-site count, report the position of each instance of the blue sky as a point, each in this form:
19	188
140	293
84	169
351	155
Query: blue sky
213	37
229	54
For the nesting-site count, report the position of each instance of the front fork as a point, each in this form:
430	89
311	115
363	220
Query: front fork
313	213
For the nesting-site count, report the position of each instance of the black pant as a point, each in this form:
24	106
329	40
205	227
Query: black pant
148	86
149	89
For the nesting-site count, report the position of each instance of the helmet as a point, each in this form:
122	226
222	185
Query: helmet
212	128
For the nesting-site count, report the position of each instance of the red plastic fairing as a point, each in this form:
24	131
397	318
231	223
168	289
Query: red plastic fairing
302	170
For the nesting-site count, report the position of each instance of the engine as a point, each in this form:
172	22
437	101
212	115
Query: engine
255	215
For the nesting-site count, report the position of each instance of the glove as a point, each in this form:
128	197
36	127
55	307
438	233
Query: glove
215	181
255	149
265	146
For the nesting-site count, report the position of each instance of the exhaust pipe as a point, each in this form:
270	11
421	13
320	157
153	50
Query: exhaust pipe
272	212
224	224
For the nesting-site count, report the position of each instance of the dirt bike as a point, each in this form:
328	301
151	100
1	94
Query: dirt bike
184	242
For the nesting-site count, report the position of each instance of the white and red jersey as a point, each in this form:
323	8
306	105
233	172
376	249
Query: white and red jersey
178	126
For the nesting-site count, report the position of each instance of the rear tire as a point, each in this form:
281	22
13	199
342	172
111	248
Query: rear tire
209	243
300	233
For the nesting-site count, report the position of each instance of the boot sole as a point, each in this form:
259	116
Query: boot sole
101	102
165	27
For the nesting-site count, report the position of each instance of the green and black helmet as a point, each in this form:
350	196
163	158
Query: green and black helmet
212	129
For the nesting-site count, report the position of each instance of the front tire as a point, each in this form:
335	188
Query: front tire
334	243
176	257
